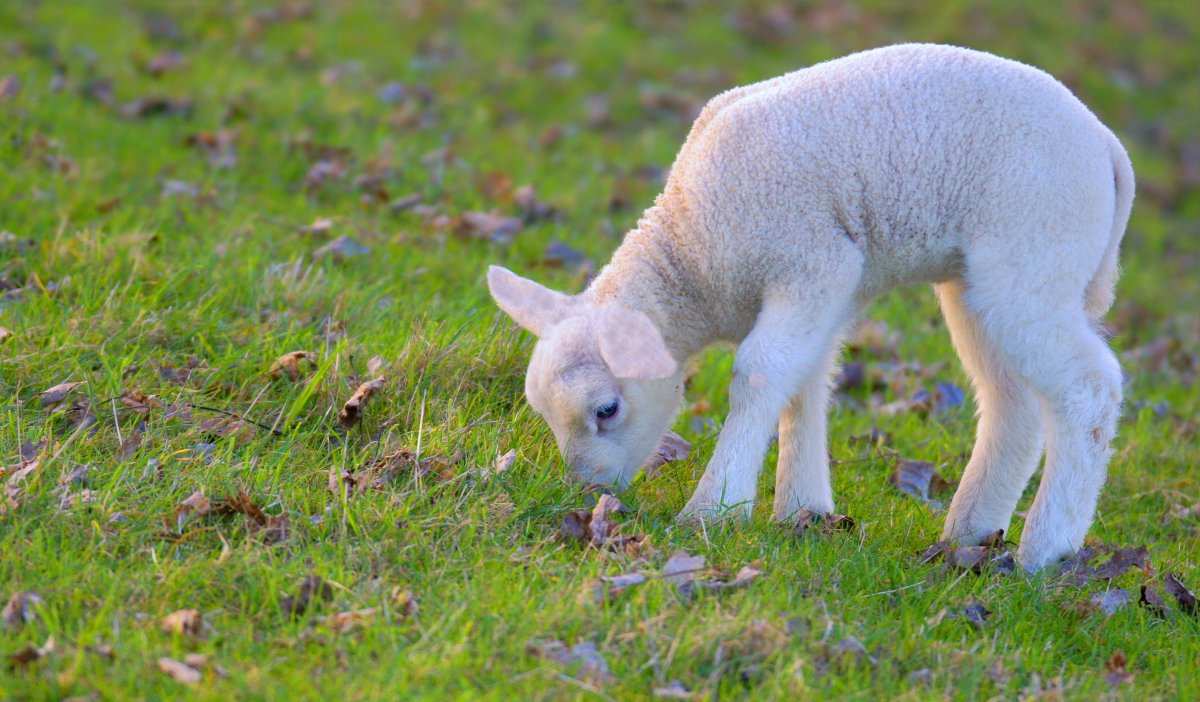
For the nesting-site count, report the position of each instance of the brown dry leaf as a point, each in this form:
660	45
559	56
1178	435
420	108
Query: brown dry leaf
187	622
532	208
992	552
224	427
610	587
58	393
1114	670
21	609
595	527
560	255
492	226
919	479
1152	600
131	443
179	672
404	602
311	590
289	364
583	657
344	622
375	365
14	487
353	409
682	568
1108	601
807	520
6	334
672	447
379	473
502	464
1078	569
153	105
196	504
139	402
341	249
271	529
674	690
30	654
1186	599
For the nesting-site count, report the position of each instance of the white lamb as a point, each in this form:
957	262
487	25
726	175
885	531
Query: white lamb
797	200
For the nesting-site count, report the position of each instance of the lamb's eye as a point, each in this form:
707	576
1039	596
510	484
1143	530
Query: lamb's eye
607	411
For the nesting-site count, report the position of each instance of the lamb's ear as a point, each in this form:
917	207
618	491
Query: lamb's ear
631	345
533	306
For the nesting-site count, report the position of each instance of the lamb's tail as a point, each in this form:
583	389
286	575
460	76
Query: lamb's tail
1098	297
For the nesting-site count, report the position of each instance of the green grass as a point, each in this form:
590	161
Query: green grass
121	279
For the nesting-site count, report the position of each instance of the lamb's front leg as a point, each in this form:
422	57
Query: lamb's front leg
787	345
802	474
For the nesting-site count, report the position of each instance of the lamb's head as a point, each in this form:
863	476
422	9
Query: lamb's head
600	375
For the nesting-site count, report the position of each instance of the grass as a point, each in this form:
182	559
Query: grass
135	255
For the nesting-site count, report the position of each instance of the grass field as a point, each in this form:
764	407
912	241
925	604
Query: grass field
174	182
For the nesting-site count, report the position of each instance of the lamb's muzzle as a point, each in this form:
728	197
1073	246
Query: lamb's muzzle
793	203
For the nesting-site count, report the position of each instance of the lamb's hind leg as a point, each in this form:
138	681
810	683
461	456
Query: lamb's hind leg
1046	339
802	473
1008	439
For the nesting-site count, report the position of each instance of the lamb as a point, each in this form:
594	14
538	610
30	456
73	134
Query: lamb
797	200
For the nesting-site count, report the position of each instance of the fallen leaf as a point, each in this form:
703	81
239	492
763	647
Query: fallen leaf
131	443
139	402
21	609
289	364
1114	670
807	520
595	526
1078	569
502	464
187	622
682	568
1152	600
674	690
311	590
611	587
6	334
58	393
975	613
153	105
179	672
919	479
30	654
341	249
1110	601
492	226
559	255
1186	599
381	472
271	529
672	447
849	651
990	553
196	504
344	622
589	664
532	208
375	365
353	409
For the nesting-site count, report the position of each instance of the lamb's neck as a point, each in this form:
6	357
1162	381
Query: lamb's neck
645	276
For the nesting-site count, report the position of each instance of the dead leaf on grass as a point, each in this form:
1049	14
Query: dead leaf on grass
1152	600
345	622
808	521
610	587
596	527
583	658
22	609
289	364
1078	569
271	529
179	672
341	249
1107	602
139	402
381	472
492	226
674	690
6	334
502	464
672	447
30	654
311	591
186	622
58	393
1114	670
353	409
196	504
992	553
919	479
1185	597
